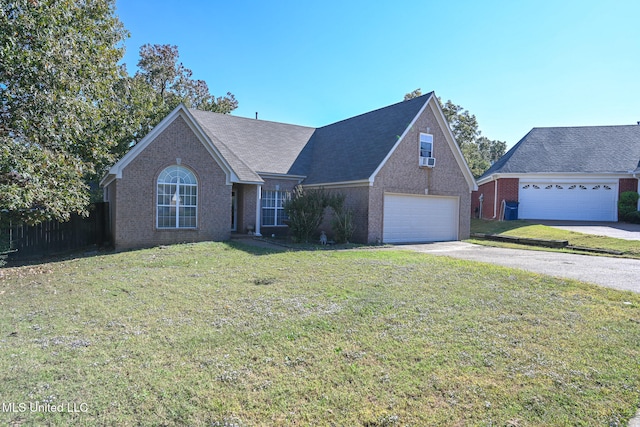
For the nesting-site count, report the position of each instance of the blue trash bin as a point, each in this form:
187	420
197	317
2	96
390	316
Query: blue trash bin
511	211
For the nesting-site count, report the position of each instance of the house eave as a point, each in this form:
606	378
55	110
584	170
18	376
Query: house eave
273	175
556	175
107	179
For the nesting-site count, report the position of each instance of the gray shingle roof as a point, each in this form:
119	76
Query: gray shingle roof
352	149
591	149
251	146
348	150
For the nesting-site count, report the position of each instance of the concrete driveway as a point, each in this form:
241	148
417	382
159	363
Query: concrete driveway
618	230
617	273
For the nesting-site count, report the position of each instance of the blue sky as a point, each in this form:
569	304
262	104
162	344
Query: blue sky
514	64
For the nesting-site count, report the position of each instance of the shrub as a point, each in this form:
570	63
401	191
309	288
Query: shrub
628	206
633	217
342	222
305	210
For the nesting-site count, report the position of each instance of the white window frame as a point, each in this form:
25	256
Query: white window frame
425	138
176	188
279	197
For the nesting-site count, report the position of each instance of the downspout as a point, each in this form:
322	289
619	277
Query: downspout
258	209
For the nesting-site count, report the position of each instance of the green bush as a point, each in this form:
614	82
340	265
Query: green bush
305	210
628	207
342	222
633	217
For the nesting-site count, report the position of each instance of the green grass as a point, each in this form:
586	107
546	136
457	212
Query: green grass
215	334
520	228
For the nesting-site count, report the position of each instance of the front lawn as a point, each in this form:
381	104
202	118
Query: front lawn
521	228
217	334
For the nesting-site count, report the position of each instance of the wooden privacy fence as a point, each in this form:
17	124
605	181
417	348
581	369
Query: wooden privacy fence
51	237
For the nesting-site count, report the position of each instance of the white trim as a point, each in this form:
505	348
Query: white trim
271	175
546	176
106	180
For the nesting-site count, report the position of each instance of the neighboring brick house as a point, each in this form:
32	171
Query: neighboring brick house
563	173
203	176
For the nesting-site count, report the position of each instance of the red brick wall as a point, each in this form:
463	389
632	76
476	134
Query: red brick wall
507	190
627	184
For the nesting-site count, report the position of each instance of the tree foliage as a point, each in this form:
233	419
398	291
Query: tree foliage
58	69
68	110
160	85
479	151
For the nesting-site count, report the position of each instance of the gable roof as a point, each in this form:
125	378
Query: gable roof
352	149
349	150
263	146
588	149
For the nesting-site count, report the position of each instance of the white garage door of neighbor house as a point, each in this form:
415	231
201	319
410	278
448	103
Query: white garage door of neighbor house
414	218
578	201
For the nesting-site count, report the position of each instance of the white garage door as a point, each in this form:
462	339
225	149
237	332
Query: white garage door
412	218
579	201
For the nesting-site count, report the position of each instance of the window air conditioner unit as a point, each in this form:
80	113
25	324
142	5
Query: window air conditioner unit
428	162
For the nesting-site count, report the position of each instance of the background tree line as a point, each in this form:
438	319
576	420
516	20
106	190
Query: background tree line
69	109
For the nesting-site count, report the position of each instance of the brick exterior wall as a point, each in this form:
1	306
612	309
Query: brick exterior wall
507	190
627	184
402	174
356	199
135	193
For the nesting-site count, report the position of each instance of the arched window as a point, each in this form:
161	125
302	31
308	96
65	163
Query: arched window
177	198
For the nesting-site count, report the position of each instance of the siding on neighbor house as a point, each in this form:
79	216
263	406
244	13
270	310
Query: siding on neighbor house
135	195
402	174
